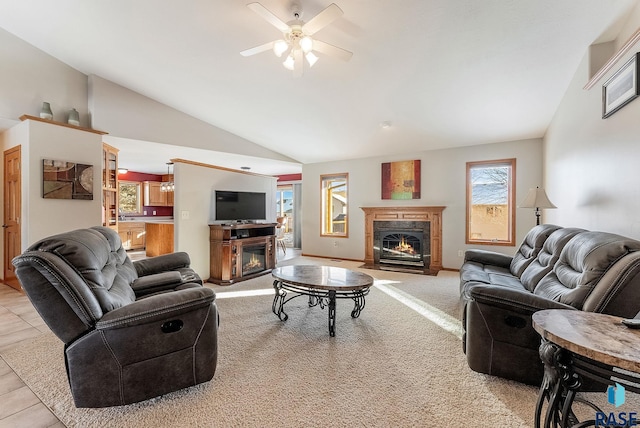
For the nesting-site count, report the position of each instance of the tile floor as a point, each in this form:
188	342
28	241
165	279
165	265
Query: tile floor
19	406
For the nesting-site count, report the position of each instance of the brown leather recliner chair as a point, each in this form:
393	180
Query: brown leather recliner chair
132	330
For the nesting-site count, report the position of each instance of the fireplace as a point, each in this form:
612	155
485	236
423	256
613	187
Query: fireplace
404	238
253	259
399	245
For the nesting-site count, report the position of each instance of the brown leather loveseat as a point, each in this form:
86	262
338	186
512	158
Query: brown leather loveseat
132	330
555	267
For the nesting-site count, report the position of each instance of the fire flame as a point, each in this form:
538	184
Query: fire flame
404	247
253	263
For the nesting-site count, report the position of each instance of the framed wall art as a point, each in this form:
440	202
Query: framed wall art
66	180
621	88
401	180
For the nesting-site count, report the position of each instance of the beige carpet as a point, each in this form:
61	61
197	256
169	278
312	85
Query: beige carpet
392	367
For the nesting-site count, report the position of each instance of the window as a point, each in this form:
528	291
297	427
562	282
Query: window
284	205
284	201
130	197
490	202
334	204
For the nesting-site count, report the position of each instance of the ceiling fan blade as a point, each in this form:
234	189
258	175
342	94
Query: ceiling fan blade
324	18
268	16
331	50
299	63
257	49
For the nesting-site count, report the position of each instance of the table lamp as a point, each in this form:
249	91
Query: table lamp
537	198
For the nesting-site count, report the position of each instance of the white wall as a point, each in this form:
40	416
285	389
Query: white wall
443	174
194	187
30	76
591	164
44	217
128	114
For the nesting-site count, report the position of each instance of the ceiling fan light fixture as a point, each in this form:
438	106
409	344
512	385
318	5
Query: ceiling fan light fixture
289	63
280	47
306	44
311	58
297	42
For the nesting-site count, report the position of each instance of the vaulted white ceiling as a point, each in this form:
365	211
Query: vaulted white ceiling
444	73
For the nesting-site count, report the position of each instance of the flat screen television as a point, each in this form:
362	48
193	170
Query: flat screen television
240	206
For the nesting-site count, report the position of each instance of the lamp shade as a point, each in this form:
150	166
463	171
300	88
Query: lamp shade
537	198
311	58
289	63
280	47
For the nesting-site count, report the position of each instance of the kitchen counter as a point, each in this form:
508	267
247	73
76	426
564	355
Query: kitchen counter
146	219
159	237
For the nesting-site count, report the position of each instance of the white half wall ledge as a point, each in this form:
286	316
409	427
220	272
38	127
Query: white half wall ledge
635	38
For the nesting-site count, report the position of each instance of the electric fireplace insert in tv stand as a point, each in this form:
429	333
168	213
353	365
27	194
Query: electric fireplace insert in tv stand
242	251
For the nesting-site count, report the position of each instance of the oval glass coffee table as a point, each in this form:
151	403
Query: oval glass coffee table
323	285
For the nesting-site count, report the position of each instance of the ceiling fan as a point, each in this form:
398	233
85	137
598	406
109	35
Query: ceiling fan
297	42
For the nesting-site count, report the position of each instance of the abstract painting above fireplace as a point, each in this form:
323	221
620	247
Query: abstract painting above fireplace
401	180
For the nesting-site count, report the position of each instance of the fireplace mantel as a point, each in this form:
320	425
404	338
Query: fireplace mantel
430	214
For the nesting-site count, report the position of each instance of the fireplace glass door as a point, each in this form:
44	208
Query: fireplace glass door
253	259
401	248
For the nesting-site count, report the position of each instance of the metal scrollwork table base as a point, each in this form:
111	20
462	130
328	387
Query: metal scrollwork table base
577	348
323	285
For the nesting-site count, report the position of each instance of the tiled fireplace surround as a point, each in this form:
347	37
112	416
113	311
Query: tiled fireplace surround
425	219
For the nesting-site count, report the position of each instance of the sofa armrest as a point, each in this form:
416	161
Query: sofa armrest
155	282
488	258
162	263
513	299
157	308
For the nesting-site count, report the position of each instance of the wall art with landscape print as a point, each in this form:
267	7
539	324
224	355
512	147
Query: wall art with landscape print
66	180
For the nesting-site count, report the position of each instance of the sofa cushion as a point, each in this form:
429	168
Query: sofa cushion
547	257
474	271
583	261
509	281
530	247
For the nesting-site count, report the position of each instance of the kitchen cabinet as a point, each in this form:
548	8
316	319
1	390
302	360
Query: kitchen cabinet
110	186
154	196
132	234
159	238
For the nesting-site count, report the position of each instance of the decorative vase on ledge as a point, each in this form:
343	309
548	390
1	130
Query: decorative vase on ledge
74	118
46	112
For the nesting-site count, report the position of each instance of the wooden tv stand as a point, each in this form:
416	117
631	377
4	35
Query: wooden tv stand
241	251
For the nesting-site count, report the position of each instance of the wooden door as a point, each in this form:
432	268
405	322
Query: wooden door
12	212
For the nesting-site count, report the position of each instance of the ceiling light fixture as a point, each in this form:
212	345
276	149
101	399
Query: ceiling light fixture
385	125
289	63
280	47
168	186
297	39
122	170
298	44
